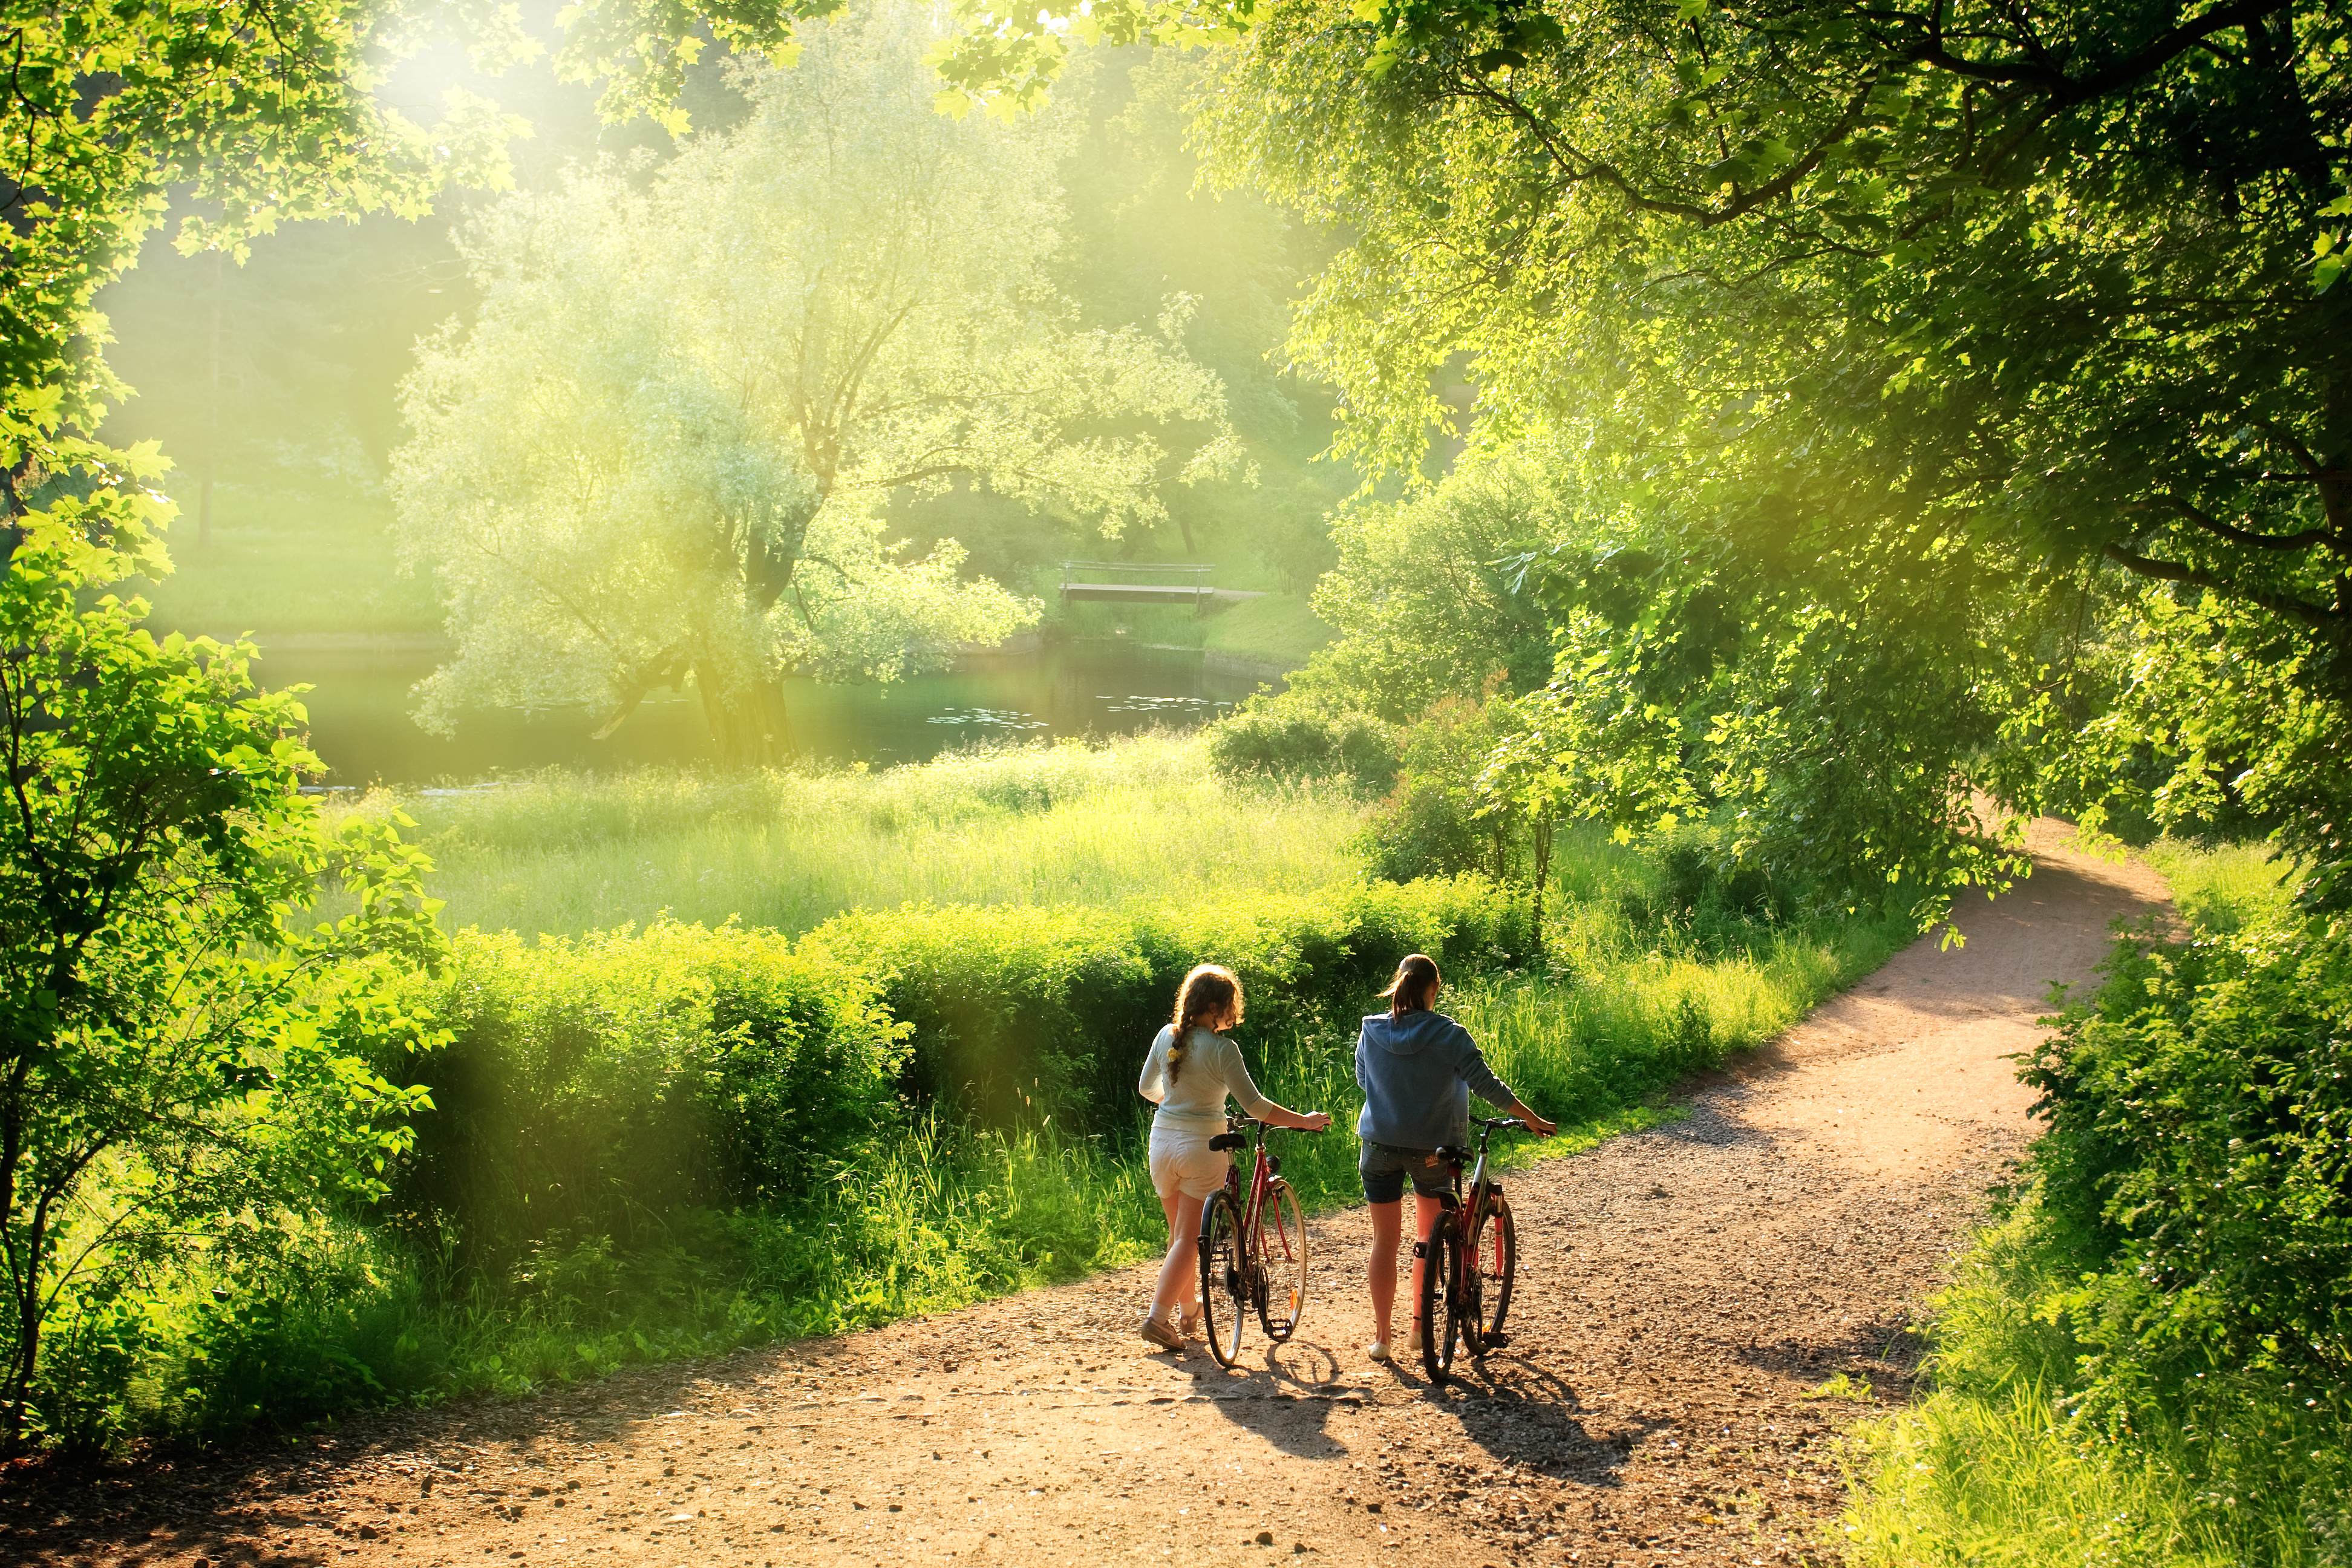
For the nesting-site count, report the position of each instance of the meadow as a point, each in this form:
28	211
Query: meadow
1106	827
663	1136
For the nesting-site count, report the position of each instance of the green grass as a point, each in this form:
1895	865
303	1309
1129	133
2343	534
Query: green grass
1140	821
1276	629
1996	1466
286	561
2221	886
940	1213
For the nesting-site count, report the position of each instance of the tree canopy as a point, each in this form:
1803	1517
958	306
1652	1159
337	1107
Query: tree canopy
660	454
2014	333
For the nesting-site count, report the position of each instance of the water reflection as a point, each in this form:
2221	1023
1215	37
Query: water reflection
360	701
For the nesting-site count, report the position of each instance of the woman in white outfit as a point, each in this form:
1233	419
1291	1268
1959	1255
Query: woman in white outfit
1192	1068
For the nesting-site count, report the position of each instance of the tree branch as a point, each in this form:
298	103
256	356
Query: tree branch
2174	572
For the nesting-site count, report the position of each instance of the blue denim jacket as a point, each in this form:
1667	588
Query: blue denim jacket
1416	1073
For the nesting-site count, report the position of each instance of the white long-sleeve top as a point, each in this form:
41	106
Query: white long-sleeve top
1213	1069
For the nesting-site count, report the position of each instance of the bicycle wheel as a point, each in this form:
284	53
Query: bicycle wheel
1224	1276
1486	1282
1441	1321
1281	1258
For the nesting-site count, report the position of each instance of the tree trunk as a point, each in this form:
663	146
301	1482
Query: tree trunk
1542	855
747	724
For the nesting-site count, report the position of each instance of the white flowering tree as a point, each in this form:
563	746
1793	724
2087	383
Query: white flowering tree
660	455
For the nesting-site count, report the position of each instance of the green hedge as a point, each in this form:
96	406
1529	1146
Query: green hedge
1024	1013
595	1085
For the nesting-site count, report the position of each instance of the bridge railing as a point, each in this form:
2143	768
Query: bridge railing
1141	573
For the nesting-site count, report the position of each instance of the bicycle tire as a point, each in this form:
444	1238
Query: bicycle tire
1224	1276
1441	1323
1281	1258
1493	1267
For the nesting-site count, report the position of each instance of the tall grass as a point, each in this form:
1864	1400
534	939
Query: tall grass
1141	821
1999	1466
933	1213
944	1214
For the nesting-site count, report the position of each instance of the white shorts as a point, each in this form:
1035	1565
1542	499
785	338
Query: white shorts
1181	1158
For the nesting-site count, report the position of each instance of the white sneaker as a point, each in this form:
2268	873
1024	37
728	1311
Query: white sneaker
1413	1345
1378	1350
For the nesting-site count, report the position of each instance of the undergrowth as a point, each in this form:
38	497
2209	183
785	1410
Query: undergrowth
2141	1360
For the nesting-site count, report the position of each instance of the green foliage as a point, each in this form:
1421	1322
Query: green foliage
1434	822
177	1064
1021	1012
1426	595
2201	1129
915	1211
1998	1463
660	454
2145	1358
1274	739
591	1086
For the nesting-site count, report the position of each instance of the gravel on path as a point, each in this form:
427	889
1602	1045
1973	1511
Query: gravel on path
1685	1294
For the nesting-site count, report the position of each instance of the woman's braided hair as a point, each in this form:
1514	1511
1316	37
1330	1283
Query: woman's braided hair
1211	991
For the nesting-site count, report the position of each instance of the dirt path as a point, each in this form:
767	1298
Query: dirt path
1684	1291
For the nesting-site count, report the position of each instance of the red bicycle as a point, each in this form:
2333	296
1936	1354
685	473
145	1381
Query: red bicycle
1253	1247
1469	1263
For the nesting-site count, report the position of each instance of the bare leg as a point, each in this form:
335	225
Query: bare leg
1426	1212
1178	1273
1381	1276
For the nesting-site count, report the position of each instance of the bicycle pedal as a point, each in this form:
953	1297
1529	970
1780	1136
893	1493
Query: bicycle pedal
1497	1342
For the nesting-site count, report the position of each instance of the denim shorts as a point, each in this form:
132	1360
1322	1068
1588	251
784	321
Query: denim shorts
1384	1170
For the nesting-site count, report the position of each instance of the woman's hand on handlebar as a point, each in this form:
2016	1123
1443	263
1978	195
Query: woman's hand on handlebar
1314	1121
1536	1125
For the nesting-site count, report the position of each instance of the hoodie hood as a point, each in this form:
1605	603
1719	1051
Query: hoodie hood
1409	1035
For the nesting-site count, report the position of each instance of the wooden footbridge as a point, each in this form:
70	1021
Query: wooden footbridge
1144	583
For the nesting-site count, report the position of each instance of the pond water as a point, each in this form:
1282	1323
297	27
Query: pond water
359	705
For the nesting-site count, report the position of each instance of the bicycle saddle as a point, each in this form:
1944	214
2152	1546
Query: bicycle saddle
1229	1140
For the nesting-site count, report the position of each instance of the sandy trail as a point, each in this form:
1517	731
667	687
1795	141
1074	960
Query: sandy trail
1683	1291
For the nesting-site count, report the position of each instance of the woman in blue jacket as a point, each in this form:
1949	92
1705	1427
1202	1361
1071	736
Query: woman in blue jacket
1416	1068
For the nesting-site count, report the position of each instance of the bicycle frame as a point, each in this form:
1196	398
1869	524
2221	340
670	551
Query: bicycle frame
1462	1211
1261	1176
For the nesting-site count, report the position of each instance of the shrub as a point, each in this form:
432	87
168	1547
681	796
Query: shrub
592	1081
1021	1012
1286	738
2200	1128
1429	824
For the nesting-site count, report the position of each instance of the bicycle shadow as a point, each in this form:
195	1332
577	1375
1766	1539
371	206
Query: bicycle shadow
1523	1414
1285	1394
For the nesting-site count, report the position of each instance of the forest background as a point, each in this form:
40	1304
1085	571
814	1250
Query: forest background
1802	443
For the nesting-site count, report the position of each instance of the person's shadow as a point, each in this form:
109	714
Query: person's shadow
1284	1393
1526	1414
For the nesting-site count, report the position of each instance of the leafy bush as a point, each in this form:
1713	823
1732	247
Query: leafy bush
1020	1012
2200	1126
1431	823
591	1083
2144	1359
1278	739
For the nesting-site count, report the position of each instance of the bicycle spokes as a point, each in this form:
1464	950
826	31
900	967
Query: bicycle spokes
1280	1263
1225	1290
